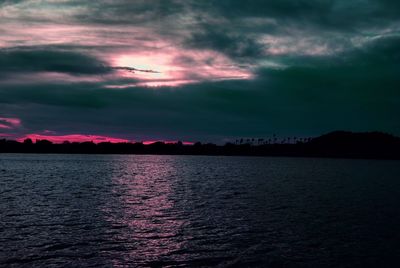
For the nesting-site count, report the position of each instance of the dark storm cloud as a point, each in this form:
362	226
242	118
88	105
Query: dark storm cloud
128	12
357	91
9	2
336	13
235	27
26	60
342	14
317	66
234	45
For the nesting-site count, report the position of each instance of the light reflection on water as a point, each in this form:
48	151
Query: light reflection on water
147	211
185	211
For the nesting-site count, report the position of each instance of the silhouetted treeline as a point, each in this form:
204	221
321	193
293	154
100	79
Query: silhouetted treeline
336	144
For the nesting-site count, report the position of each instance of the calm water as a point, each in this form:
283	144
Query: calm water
179	211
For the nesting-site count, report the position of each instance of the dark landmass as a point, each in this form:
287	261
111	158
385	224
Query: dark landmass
338	144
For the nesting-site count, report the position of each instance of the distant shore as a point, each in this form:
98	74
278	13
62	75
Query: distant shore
338	144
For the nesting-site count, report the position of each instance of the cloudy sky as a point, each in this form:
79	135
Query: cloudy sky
191	70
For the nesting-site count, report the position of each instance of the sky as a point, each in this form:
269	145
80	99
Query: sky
210	71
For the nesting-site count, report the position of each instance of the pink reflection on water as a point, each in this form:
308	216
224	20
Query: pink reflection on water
149	216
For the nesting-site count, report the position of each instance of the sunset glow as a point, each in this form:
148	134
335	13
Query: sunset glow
71	138
197	70
58	139
199	133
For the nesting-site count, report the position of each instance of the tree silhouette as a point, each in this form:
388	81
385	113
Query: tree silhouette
335	144
28	142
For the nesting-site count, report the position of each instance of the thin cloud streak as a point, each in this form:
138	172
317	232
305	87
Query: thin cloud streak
133	70
10	123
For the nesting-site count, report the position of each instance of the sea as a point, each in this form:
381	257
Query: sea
197	211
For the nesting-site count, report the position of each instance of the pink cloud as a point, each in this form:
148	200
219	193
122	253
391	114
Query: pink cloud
136	47
86	138
3	126
72	138
197	66
9	123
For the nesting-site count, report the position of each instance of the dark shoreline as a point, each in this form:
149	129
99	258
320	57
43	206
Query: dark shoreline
216	155
339	144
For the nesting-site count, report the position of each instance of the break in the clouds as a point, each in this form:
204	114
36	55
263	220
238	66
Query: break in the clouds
197	70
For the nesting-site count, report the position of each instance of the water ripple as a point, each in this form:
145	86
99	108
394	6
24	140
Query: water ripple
184	211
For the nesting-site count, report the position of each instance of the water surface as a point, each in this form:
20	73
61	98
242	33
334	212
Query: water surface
179	211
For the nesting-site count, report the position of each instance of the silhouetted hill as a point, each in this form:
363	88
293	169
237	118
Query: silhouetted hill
348	144
340	144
